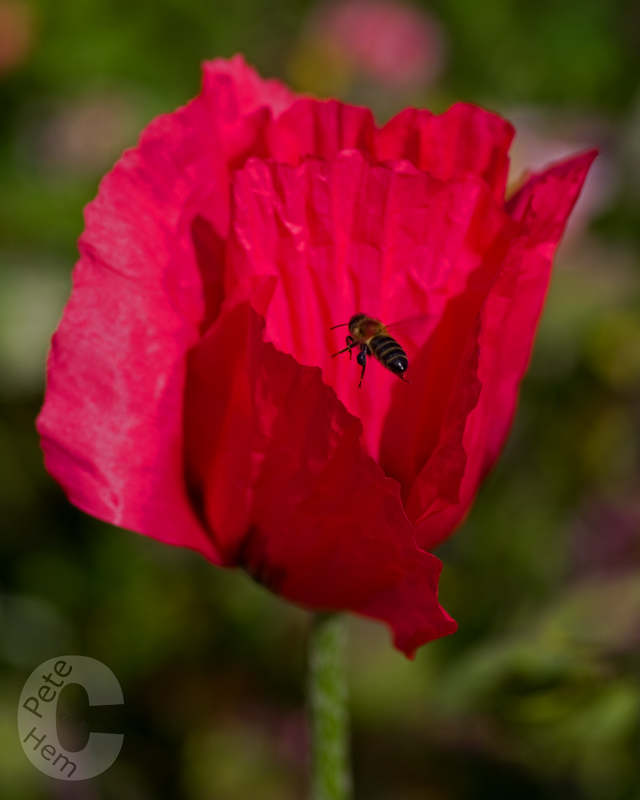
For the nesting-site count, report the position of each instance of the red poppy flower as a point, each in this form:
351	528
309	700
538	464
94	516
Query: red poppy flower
191	391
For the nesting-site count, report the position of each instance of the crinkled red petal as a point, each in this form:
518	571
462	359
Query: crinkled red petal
247	91
279	477
150	276
465	140
347	235
509	320
321	128
430	458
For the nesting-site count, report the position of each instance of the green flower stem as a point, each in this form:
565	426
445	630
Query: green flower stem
328	716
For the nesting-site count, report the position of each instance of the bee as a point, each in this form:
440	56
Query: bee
371	336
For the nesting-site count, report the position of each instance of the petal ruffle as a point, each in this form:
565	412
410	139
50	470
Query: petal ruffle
279	476
509	320
322	129
247	91
465	140
149	277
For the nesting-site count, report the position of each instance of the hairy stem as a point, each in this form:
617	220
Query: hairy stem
329	719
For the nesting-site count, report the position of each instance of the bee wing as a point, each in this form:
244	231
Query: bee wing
413	332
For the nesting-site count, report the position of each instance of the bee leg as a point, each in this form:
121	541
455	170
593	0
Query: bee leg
350	343
362	360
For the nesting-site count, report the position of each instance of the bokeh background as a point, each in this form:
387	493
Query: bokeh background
538	694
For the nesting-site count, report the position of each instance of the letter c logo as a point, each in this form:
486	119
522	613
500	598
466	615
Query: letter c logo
37	718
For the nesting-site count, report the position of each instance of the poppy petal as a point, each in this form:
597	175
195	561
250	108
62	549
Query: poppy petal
277	471
247	91
509	320
465	140
149	276
347	236
429	458
322	129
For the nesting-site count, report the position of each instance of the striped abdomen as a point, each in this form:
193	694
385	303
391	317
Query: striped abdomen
389	353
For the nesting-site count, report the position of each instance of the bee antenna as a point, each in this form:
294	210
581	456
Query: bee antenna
341	325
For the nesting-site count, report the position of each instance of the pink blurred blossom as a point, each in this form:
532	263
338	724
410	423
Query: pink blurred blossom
16	34
388	41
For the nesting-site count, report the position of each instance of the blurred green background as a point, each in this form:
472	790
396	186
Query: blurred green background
538	694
